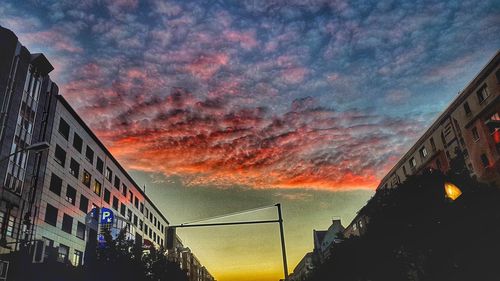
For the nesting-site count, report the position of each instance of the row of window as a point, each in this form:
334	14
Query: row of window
71	194
60	157
62	252
482	94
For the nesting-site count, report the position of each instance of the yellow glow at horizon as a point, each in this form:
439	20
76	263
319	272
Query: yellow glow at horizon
452	191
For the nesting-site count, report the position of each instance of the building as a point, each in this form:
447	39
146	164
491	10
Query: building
467	133
325	239
46	195
303	269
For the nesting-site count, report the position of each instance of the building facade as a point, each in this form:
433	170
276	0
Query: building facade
467	132
46	195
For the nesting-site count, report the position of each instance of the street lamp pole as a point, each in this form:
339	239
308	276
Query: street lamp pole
36	147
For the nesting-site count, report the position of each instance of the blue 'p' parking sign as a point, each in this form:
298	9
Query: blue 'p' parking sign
107	216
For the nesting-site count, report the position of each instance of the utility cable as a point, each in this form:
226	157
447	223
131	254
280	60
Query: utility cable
231	214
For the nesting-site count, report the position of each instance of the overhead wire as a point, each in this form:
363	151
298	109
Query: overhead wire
230	214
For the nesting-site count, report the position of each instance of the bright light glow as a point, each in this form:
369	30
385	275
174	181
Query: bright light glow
452	191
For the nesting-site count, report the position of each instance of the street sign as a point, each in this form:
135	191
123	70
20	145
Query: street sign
107	216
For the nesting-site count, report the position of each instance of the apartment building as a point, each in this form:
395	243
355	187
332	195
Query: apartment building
469	127
54	171
468	130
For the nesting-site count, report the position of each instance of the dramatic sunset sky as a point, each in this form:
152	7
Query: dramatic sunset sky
219	106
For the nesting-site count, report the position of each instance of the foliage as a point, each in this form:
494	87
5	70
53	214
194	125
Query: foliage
415	233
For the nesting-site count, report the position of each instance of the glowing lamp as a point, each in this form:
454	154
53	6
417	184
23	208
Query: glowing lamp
452	191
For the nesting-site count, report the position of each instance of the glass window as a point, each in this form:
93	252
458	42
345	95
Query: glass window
67	224
136	202
64	128
115	203
129	215
140	225
484	160
80	230
63	253
55	184
482	94
135	219
130	197
74	168
86	178
142	208
117	182
109	174
70	195
124	190
97	187
60	155
107	195
467	108
77	142
123	210
51	215
84	204
433	144
423	152
100	165
77	258
89	155
413	162
475	134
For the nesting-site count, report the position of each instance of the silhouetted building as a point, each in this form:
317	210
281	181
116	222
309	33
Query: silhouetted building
325	239
466	135
303	269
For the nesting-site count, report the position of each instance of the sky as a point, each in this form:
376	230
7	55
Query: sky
219	106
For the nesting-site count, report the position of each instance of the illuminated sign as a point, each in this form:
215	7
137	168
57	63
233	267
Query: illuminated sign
107	216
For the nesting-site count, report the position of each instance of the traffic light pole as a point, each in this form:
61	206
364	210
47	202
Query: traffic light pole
279	220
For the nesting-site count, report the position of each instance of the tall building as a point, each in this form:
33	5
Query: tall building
45	195
468	131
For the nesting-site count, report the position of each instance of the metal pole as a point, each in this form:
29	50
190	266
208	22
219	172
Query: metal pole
283	248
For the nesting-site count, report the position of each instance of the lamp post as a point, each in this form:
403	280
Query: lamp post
36	147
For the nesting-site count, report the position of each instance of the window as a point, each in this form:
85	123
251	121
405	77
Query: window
10	224
55	184
74	168
115	203
84	204
423	152
97	187
131	196
467	108
77	142
123	210
89	155
109	174
484	160
482	94
64	128
67	224
151	217
433	145
497	74
124	190
404	170
135	219
60	155
493	123
413	162
49	245
63	253
136	202
77	258
146	213
80	230
100	165
86	178
117	182
129	215
141	223
51	215
70	195
475	134
146	229
107	195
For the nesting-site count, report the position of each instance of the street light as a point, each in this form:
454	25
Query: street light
452	191
36	147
